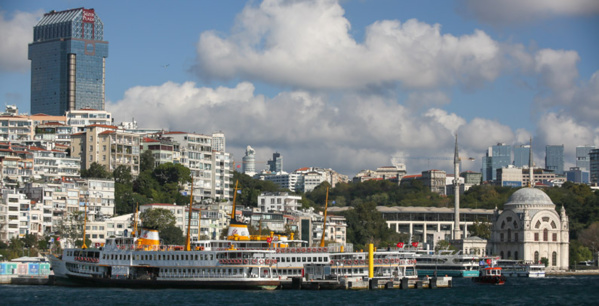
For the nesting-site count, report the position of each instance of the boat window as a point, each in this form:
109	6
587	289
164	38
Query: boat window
292	259
303	259
309	259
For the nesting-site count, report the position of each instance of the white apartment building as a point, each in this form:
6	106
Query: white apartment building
80	118
14	215
278	202
99	195
336	228
53	164
292	182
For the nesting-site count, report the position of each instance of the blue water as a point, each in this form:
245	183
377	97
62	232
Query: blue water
578	290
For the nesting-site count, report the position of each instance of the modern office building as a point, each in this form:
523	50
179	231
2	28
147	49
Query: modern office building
497	157
68	60
582	157
521	155
554	158
594	166
577	175
276	164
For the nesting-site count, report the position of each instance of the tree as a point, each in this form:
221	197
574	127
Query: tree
95	171
578	253
122	175
445	245
172	173
590	237
146	161
157	218
70	228
480	229
172	235
365	224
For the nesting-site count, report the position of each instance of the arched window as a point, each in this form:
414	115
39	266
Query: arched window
516	255
501	254
554	259
509	254
509	236
545	235
536	256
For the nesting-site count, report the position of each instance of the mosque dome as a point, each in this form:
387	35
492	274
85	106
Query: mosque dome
529	198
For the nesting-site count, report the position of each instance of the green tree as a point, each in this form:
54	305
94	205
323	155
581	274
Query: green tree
146	161
365	224
172	235
95	171
122	175
172	173
480	229
445	245
590	237
157	218
578	253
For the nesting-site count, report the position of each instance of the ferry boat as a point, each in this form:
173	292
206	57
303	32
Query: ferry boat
519	268
144	263
444	262
489	273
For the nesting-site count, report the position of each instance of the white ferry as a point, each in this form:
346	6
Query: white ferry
519	268
144	263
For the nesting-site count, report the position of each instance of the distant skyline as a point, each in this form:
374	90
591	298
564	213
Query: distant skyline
345	85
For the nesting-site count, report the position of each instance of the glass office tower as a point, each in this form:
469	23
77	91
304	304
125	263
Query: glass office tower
554	158
497	157
68	60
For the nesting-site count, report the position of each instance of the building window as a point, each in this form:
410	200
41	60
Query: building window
545	235
509	254
536	236
516	237
516	255
554	237
501	254
536	256
509	236
501	238
554	259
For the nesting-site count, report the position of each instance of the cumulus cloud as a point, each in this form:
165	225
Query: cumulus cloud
307	44
15	35
509	12
307	128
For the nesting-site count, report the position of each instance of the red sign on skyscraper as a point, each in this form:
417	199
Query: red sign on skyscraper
88	16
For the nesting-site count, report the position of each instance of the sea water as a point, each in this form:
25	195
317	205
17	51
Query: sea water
571	290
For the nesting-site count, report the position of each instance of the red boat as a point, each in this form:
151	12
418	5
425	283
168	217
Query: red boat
490	275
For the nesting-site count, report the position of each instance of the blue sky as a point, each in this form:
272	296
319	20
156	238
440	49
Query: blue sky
342	84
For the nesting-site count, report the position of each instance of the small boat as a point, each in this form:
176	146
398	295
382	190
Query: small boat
489	273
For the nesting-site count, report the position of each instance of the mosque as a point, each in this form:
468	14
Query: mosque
530	229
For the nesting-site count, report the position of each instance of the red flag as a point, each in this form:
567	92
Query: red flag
415	244
269	240
400	245
488	261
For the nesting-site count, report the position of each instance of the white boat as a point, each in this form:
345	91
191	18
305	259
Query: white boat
144	263
519	268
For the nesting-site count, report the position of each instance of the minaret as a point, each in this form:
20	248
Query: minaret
457	233
531	181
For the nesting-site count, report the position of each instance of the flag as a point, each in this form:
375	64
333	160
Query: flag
400	245
57	238
415	244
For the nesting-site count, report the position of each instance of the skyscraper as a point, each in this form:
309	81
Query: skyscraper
521	155
276	164
582	157
594	166
554	158
497	157
68	55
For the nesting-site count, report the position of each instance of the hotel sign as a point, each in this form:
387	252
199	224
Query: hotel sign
88	16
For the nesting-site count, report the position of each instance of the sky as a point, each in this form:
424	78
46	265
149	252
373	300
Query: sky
347	85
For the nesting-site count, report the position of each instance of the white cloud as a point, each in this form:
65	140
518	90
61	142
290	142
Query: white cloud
306	128
509	12
307	44
15	34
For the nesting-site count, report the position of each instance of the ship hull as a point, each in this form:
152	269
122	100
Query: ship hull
76	280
